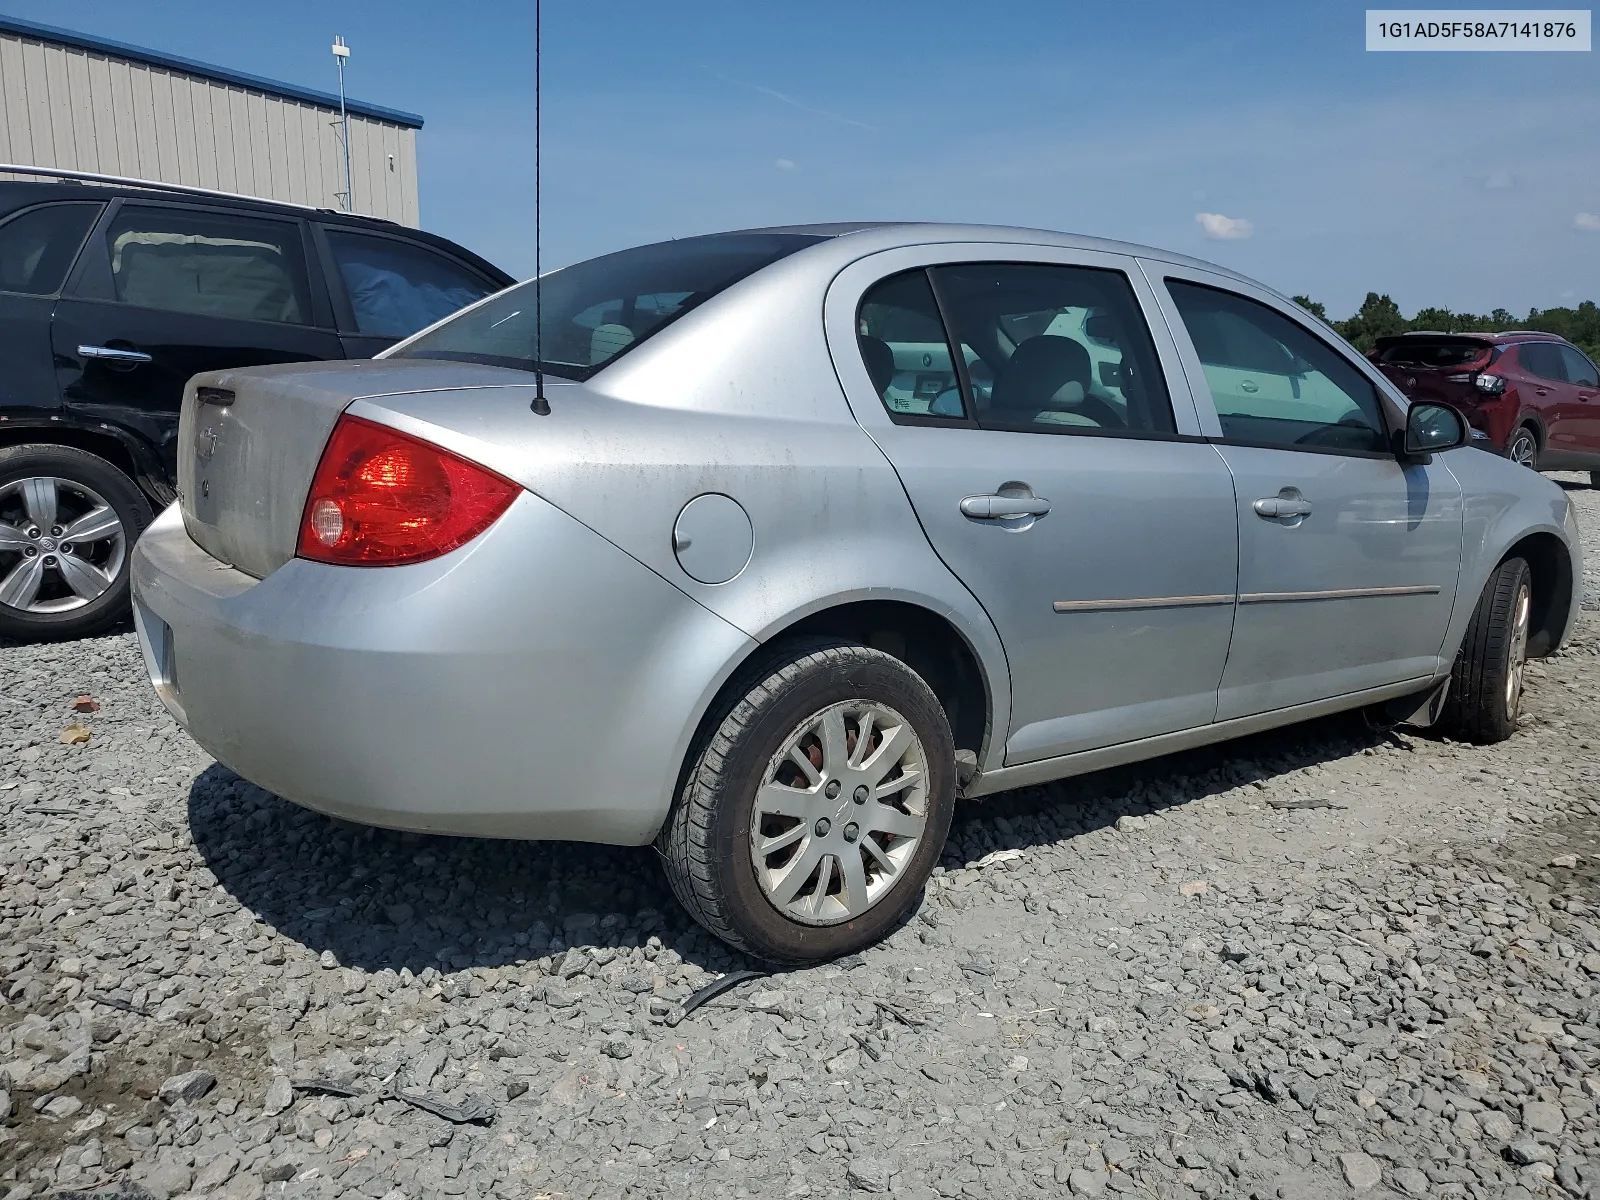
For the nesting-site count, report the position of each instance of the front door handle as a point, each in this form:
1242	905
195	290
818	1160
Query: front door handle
999	508
112	354
1275	508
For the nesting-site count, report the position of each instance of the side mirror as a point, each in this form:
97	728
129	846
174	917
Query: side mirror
1431	428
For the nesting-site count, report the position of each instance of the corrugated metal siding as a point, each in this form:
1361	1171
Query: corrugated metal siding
78	110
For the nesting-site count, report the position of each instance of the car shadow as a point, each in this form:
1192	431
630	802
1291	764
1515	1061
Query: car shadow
378	898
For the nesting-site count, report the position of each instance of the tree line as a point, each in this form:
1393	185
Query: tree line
1379	316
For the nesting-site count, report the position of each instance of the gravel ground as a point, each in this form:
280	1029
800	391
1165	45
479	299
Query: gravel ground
1149	982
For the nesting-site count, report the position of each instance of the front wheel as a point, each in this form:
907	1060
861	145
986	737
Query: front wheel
1486	682
813	814
1523	448
68	520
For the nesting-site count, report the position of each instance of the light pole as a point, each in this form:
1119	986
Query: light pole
340	53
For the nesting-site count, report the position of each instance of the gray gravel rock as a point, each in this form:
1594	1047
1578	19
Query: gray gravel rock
1150	982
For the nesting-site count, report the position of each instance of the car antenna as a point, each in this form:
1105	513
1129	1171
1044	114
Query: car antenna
541	406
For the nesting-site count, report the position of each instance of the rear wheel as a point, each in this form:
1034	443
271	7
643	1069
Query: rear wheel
1486	682
1594	479
1523	448
68	520
812	816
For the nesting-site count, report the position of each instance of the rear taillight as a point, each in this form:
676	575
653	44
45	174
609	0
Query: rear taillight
1489	384
381	498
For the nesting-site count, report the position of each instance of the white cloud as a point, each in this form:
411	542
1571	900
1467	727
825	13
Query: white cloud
1499	181
785	164
1225	229
1588	222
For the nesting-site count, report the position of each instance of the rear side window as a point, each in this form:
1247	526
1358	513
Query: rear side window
397	287
1543	360
1272	381
1579	369
1054	349
905	350
595	311
39	246
209	264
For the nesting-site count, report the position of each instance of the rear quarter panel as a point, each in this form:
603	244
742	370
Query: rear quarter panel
738	398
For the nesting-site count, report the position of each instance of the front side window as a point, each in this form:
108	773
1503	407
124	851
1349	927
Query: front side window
397	287
1579	369
39	246
209	264
903	345
1542	360
1272	381
1054	349
595	311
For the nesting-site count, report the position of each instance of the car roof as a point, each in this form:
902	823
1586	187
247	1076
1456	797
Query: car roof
1503	337
16	194
885	235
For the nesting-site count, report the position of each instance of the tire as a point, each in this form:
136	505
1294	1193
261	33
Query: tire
82	589
1594	479
757	899
1524	447
1486	681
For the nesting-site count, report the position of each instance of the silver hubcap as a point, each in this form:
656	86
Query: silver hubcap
1522	450
61	545
841	810
1518	651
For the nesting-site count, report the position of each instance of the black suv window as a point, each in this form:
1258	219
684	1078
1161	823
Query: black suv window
38	247
397	287
595	311
1542	359
1579	369
209	264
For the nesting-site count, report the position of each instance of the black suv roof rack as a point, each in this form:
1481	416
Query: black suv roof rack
157	185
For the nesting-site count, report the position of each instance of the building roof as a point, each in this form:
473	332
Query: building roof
171	62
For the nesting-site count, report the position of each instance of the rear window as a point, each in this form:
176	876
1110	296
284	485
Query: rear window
1432	352
595	311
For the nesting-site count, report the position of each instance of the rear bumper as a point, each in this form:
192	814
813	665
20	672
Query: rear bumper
537	683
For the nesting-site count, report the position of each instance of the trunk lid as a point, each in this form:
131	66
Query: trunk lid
249	441
1435	369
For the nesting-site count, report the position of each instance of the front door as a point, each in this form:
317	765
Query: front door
1348	557
1585	382
1054	479
164	292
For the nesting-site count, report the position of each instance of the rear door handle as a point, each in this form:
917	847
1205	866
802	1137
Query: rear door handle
112	354
998	508
1276	507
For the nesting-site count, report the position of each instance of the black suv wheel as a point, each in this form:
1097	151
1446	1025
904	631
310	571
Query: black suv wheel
68	521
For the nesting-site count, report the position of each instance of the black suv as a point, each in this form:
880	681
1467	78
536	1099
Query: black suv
111	297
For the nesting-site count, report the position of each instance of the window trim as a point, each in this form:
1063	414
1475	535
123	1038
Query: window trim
72	264
963	374
344	312
1173	273
317	315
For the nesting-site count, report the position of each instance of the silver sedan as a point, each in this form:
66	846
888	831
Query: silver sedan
767	546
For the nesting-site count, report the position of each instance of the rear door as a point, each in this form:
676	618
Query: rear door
386	287
1348	558
1585	382
38	246
165	291
1555	399
1092	523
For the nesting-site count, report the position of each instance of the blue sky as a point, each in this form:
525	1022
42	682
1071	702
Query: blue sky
1453	179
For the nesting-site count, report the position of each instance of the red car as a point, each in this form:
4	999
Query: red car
1532	397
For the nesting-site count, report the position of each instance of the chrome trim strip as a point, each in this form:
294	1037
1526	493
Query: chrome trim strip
1337	594
1071	606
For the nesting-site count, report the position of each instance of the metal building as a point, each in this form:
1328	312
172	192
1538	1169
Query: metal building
86	104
